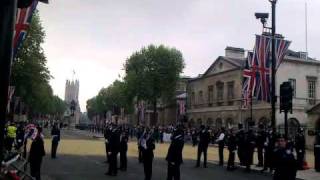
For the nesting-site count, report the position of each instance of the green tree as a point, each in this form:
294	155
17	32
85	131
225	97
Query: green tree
152	74
30	75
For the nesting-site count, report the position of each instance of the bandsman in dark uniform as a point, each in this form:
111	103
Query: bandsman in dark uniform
285	163
300	147
221	142
148	145
232	147
261	139
204	137
123	150
114	146
174	156
241	144
107	135
139	138
269	147
250	144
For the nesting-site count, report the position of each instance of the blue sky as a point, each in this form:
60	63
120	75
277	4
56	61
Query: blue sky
95	37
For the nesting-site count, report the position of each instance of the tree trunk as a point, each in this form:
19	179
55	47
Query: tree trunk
154	119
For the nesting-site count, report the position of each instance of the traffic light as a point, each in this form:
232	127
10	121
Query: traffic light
286	94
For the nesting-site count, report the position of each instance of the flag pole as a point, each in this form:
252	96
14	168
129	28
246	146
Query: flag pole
306	28
7	21
273	72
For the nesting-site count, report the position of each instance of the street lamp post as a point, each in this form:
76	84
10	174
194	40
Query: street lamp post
273	71
7	20
263	17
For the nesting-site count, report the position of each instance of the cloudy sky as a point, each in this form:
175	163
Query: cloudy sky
95	37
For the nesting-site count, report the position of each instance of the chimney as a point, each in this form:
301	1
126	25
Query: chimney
233	52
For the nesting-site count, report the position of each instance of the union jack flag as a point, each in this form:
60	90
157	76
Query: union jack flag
281	50
257	72
262	64
249	83
24	16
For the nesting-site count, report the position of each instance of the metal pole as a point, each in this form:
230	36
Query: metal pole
286	123
273	73
7	21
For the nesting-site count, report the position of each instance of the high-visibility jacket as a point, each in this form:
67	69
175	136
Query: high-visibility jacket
11	131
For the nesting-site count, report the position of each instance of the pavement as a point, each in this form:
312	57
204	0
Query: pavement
81	156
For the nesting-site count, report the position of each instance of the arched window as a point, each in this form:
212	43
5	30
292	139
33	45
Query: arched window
210	122
199	122
218	123
229	123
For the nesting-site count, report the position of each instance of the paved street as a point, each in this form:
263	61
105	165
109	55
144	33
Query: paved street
80	157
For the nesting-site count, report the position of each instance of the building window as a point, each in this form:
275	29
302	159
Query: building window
312	90
200	97
220	91
230	92
293	84
220	66
193	98
210	95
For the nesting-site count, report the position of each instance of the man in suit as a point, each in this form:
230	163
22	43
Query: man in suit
204	137
174	156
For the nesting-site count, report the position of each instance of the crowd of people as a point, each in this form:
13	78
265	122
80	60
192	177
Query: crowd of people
16	142
278	154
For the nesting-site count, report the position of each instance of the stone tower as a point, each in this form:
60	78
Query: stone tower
72	94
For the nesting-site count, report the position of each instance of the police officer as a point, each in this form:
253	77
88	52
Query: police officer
148	146
241	144
107	135
232	147
55	133
250	143
285	163
140	138
261	139
221	142
114	145
174	156
204	137
269	147
300	144
123	151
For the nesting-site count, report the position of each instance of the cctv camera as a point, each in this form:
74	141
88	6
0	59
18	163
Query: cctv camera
262	15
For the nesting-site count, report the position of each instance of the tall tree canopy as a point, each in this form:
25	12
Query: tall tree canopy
152	73
30	74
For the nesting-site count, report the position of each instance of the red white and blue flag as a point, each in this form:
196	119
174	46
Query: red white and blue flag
248	83
257	72
282	47
23	20
262	65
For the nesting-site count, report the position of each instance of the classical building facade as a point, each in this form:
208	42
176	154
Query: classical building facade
215	98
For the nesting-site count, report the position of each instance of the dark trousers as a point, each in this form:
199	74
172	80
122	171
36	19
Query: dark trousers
260	156
8	143
107	155
113	169
231	159
173	171
204	151
241	155
268	157
221	154
35	166
123	160
300	159
140	155
54	147
147	166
